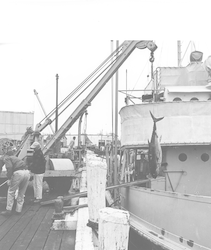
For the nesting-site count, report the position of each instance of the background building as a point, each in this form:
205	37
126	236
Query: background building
13	124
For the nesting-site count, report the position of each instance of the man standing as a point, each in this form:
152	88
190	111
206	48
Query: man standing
70	148
37	167
18	179
143	169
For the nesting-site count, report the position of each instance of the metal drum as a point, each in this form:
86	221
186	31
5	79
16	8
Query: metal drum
62	184
60	164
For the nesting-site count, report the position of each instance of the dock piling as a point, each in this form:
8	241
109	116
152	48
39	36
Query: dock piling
96	186
113	229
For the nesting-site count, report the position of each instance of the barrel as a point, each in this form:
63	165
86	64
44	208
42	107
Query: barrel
60	164
59	185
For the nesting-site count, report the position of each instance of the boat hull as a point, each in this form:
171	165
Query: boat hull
169	217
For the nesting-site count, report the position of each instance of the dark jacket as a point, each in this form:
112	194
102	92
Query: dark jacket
37	162
12	164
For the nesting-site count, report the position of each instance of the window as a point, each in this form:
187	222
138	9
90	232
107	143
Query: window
183	157
177	99
205	157
194	99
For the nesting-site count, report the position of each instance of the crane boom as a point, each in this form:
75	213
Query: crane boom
128	48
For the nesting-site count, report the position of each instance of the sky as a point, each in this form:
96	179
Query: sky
39	39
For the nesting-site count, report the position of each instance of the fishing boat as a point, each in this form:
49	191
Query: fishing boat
173	209
171	126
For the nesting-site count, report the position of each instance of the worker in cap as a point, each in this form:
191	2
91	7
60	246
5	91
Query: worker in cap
18	178
37	168
36	145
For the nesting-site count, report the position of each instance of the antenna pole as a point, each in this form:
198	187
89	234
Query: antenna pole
56	121
116	130
126	100
179	53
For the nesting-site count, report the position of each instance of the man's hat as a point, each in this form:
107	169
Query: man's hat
35	145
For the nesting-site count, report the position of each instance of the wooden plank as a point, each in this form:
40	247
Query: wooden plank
10	222
54	240
68	240
2	220
39	239
29	231
65	198
67	209
82	194
9	239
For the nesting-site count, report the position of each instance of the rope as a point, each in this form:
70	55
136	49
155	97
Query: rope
185	51
117	51
3	183
84	89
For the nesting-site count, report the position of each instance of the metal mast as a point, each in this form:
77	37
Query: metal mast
179	53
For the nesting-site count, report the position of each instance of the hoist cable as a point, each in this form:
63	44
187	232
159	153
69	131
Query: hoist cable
86	88
85	81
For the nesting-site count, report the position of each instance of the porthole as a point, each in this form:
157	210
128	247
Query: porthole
177	99
182	157
205	157
194	99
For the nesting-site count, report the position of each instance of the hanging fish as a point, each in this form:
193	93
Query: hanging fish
155	151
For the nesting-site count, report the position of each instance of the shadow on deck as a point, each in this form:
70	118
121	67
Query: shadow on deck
32	229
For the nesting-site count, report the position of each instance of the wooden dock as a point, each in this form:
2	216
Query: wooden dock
32	230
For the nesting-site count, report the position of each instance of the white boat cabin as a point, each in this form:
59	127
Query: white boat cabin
184	100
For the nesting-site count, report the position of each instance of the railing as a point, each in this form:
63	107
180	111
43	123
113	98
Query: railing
167	174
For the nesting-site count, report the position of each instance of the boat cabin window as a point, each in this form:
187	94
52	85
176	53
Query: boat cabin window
177	99
205	157
194	99
183	157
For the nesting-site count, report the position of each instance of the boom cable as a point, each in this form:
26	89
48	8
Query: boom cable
81	85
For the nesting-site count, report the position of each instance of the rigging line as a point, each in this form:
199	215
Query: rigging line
161	52
98	69
144	69
140	75
194	45
185	51
118	50
86	88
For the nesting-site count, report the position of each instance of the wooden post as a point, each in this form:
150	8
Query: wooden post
96	186
84	194
113	229
59	213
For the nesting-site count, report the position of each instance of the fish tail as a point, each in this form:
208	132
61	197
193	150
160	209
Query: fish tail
154	118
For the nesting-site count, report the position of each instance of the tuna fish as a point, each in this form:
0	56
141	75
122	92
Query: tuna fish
155	152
